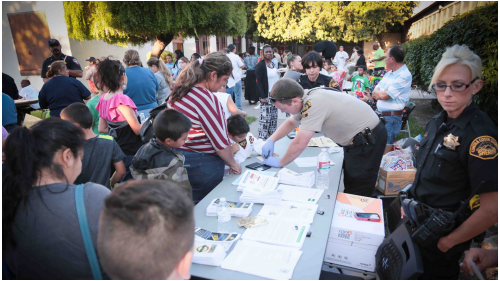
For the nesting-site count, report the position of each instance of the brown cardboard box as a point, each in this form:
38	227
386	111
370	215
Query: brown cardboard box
391	182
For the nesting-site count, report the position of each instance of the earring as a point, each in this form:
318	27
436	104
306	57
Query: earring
124	86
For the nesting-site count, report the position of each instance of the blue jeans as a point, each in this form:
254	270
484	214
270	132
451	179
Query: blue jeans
127	161
230	91
393	127
145	111
237	94
205	172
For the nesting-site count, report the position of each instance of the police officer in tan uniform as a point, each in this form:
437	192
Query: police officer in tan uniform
346	120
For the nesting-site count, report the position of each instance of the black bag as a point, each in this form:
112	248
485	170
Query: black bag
147	132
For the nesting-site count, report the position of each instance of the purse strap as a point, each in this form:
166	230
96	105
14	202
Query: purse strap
84	228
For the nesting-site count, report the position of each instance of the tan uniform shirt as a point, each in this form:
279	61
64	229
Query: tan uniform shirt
337	115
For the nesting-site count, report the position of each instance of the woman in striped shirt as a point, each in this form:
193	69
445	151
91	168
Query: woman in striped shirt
207	148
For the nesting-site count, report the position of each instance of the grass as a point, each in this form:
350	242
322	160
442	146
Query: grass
251	119
415	129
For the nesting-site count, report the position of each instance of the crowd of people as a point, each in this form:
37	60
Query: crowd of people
143	229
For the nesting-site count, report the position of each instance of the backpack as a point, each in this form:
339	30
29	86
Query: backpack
146	133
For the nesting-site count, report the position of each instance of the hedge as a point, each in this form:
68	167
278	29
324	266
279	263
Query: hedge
478	29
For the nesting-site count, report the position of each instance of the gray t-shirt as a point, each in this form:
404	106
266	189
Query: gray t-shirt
99	154
337	115
165	90
49	243
292	74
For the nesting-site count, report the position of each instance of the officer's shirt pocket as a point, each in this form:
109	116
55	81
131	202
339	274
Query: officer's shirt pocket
445	168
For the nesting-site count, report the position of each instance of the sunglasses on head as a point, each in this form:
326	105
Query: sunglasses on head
273	100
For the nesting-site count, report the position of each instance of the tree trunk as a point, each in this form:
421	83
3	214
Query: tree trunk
160	44
380	39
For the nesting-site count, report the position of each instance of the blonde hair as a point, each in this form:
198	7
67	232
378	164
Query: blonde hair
131	57
460	54
196	73
163	70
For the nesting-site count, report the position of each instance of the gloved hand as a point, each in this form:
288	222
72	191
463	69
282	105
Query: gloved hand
268	149
273	162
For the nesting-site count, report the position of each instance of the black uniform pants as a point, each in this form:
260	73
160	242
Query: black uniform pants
442	266
362	163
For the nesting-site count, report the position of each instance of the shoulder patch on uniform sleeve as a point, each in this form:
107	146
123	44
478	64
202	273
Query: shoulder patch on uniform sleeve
75	61
306	108
484	147
251	140
333	84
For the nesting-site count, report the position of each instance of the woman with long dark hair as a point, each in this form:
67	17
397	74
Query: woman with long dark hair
208	147
267	74
41	232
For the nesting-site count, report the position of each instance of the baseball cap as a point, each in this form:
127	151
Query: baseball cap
53	42
92	59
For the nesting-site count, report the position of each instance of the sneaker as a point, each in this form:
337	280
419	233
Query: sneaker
257	107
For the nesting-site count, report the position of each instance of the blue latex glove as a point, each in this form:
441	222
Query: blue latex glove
268	149
273	162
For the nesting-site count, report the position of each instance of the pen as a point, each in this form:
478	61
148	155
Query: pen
437	148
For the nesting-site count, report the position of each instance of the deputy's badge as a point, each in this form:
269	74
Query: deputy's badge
251	140
306	107
451	142
243	143
484	147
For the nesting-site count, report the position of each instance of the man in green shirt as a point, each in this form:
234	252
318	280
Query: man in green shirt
378	58
359	82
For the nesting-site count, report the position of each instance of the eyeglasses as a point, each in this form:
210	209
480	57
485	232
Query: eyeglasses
273	100
457	87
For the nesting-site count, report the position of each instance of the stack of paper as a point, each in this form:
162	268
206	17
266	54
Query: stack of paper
322	142
279	232
203	236
266	173
258	182
263	197
299	212
290	177
240	210
267	261
300	194
209	254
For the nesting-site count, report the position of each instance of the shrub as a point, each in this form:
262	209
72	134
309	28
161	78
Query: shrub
478	29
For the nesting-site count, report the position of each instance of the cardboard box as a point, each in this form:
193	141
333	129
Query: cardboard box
351	254
347	228
391	182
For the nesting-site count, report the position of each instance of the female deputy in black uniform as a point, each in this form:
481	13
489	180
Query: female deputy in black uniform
458	151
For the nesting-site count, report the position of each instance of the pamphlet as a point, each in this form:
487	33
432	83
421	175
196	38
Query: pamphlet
209	254
300	194
279	232
289	210
238	209
205	236
290	177
322	142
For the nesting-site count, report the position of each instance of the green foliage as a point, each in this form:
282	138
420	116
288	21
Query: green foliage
251	119
329	20
415	129
478	29
140	22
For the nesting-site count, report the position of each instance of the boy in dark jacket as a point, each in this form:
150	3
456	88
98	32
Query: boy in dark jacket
156	159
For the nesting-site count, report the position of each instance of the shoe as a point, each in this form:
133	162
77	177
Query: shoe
257	107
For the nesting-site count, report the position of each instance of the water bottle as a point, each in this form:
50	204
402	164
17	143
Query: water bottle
323	173
224	216
143	118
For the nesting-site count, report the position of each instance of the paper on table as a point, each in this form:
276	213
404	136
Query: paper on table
300	194
260	158
303	162
290	210
209	254
268	261
257	183
287	176
321	142
279	232
267	173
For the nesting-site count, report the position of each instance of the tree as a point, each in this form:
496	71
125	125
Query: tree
370	20
330	20
136	22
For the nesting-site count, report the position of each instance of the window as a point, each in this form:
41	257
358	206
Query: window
237	43
221	43
197	44
205	45
30	32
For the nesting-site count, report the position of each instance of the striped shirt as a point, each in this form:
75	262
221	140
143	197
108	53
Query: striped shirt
397	84
209	131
